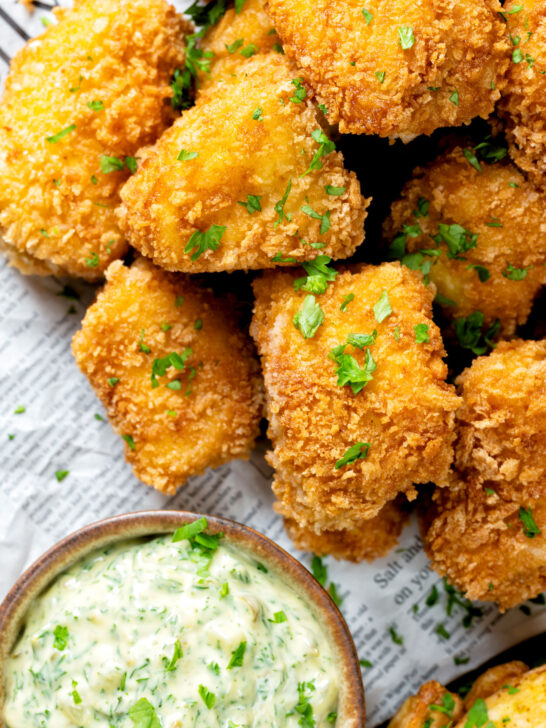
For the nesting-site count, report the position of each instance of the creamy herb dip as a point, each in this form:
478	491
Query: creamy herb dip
156	633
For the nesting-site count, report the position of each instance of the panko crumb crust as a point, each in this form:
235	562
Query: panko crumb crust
95	83
237	37
400	68
169	203
523	103
487	533
367	539
175	430
502	274
406	412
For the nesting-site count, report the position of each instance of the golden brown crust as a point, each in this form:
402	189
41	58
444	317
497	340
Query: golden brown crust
477	532
460	46
366	539
511	228
214	416
235	37
523	105
120	53
167	201
493	680
406	412
415	711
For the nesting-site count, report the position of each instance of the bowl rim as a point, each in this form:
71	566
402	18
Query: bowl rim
69	550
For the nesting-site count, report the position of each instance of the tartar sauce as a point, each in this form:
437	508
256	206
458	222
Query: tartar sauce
162	633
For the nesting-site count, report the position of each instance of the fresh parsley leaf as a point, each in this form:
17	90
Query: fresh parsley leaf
318	275
61	475
249	50
443	300
382	308
59	135
515	274
205	240
472	158
110	164
325	147
279	258
421	333
143	714
258	114
129	440
530	528
454	98
368	17
477	716
279	208
348	370
232	47
320	572
170	665
237	656
469	332
358	451
252	204
112	381
92	261
360	341
185	155
60	635
330	190
19	410
422	208
300	94
483	273
309	317
208	698
406	37
457	239
190	530
334	595
395	637
346	301
95	105
433	597
278	617
380	75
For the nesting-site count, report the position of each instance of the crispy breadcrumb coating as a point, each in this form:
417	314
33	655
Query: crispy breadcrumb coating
523	105
366	539
397	69
202	412
406	412
236	38
415	712
487	533
504	270
245	195
96	83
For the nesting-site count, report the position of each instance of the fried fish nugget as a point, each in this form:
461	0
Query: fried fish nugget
416	711
320	407
483	229
178	379
366	539
487	533
397	69
236	38
523	105
261	188
79	102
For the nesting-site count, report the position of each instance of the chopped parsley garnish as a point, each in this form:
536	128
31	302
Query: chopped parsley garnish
346	301
205	240
100	418
422	208
165	326
348	370
443	300
483	273
19	410
477	715
323	108
433	597
190	530
232	47
161	365
332	717
143	714
184	155
335	597
279	208
368	17
304	707
249	50
60	637
278	617
95	105
111	164
64	132
324	219
448	703
511	689
469	332
530	528
461	660
208	698
129	440
358	451
320	572
170	665
454	98
318	275
300	94
472	158
515	274
360	341
490	152
141	345
365	663
309	317
382	308
92	261
330	190
325	147
237	656
457	239
442	632
406	37
224	590
61	475
75	694
380	75
421	333
258	114
279	258
395	637
397	333
198	325
517	55
112	381
252	204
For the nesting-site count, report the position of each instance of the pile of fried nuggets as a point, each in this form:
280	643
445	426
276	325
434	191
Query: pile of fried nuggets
95	157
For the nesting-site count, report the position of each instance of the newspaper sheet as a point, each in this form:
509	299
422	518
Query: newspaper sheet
401	641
